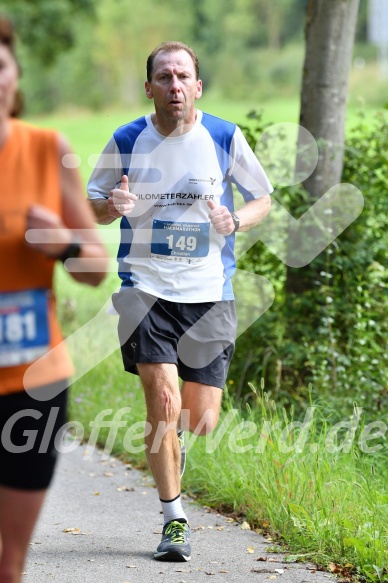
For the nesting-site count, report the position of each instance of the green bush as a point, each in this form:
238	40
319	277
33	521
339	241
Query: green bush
333	335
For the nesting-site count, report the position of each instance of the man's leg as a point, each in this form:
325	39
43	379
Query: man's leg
163	402
201	406
19	510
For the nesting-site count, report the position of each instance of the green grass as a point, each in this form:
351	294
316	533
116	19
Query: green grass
327	505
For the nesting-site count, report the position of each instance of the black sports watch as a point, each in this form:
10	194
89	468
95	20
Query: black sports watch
72	251
236	221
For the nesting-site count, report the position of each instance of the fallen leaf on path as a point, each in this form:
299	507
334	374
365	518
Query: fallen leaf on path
262	559
96	493
245	526
75	531
251	549
280	571
343	570
108	474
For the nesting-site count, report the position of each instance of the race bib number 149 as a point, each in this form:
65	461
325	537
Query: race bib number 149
24	330
180	239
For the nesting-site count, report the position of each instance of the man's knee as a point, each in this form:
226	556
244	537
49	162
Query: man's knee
166	406
199	422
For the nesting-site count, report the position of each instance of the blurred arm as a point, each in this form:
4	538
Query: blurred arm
76	215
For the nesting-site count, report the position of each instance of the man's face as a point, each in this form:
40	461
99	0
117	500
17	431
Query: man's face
174	86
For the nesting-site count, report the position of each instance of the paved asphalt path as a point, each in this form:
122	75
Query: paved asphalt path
101	522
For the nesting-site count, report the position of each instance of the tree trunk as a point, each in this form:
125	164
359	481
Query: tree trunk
330	31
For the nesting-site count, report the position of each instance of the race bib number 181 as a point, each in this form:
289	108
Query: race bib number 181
24	330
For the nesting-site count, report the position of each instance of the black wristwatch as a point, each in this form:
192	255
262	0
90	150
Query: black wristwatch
72	251
236	221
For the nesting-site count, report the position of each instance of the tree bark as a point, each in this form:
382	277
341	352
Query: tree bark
329	32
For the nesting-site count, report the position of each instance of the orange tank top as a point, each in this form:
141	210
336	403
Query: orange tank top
29	174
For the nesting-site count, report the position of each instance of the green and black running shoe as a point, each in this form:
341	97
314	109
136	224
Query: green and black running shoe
181	439
175	544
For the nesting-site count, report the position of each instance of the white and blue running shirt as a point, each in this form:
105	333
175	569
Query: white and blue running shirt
168	247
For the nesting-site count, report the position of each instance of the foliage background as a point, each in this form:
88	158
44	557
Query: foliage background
250	50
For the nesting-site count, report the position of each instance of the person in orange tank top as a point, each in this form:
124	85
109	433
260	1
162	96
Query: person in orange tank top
37	192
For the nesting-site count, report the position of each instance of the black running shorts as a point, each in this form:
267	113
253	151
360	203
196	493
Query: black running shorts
28	428
198	338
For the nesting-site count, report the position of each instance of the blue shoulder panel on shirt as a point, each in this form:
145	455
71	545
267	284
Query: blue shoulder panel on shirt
125	138
222	133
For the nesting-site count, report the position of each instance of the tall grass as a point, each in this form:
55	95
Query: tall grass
308	481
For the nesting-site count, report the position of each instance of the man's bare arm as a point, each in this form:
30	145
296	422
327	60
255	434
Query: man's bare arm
250	215
253	212
119	203
101	211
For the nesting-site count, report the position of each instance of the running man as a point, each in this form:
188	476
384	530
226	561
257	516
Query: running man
169	178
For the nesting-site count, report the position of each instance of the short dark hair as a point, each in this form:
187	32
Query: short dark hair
8	39
171	47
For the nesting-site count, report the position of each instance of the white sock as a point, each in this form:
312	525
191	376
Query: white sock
172	509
